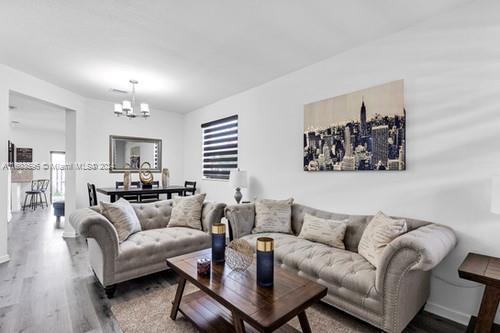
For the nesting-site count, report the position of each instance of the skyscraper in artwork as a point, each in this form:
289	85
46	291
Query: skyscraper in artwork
362	120
380	135
347	141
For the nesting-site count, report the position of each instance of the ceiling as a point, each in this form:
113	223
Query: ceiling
189	53
33	114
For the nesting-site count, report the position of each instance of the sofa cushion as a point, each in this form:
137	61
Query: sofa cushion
152	246
186	211
325	231
273	216
153	215
337	267
378	234
123	217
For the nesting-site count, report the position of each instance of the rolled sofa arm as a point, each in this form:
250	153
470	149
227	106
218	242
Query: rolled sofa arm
241	219
91	224
424	248
212	212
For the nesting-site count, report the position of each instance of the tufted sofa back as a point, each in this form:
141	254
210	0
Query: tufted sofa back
156	215
153	215
355	226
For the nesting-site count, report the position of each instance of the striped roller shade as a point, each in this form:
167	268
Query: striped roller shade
220	147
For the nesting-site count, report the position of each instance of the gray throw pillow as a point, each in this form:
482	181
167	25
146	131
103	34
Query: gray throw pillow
378	234
273	216
186	211
122	215
325	231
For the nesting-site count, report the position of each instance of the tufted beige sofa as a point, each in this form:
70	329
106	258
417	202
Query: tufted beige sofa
144	252
388	297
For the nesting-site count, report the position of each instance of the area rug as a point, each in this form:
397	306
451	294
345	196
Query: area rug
151	313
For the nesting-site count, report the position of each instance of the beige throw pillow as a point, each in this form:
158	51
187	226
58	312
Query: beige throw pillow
378	234
122	215
273	216
186	211
325	231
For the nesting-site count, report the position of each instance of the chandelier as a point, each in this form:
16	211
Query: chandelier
127	107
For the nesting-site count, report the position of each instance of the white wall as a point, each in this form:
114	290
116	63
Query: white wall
42	142
98	122
451	68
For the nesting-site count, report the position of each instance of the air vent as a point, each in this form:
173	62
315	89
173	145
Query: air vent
118	91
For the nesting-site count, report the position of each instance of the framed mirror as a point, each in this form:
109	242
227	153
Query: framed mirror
127	153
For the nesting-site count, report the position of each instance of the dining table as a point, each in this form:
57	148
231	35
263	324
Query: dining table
116	193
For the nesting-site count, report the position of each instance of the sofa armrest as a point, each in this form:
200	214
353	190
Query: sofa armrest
421	249
211	213
91	224
241	219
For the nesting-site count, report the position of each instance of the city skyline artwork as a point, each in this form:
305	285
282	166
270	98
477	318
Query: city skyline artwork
360	131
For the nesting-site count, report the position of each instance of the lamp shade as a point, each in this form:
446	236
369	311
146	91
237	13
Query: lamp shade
144	107
495	195
127	105
238	178
118	109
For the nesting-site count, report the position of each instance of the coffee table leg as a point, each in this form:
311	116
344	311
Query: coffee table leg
178	297
239	325
488	309
304	323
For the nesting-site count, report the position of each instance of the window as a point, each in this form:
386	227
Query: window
220	147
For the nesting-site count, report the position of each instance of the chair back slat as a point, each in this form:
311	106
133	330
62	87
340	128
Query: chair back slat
191	187
45	186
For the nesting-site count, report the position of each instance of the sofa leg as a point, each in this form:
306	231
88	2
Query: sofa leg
110	290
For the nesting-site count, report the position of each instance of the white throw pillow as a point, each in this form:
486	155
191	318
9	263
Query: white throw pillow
122	215
378	234
325	231
273	216
186	211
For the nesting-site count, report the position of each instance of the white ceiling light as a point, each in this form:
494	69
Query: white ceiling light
126	108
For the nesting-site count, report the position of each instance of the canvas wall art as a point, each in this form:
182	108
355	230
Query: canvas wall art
363	130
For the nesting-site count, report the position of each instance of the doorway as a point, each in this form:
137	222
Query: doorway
57	175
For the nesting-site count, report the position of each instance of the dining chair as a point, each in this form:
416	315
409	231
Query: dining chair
92	195
151	197
43	190
191	187
128	197
34	194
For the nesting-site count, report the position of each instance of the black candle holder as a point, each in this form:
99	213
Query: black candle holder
265	261
218	242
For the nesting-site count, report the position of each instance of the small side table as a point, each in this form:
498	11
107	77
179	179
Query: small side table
485	270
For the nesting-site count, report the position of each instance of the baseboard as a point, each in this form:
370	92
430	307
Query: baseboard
69	234
456	316
4	258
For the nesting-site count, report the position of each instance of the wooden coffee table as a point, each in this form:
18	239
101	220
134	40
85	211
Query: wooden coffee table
231	301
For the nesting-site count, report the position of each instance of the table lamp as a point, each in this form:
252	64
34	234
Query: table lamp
238	179
495	195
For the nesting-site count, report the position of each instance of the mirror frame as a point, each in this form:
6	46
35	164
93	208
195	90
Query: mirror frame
112	168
